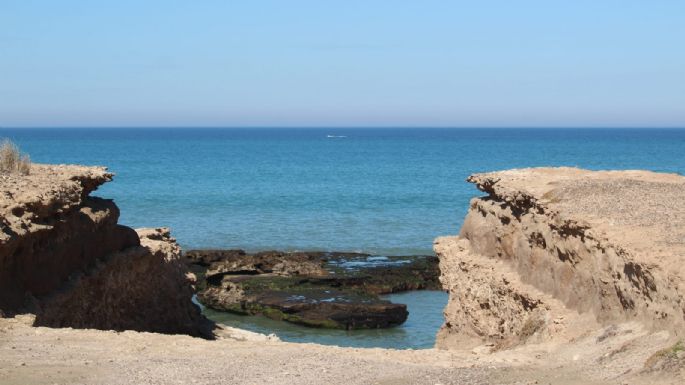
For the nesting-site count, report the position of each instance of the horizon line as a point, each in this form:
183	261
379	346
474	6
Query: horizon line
351	127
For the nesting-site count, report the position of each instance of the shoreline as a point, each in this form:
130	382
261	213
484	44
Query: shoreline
555	277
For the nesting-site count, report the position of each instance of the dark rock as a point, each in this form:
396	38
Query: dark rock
302	301
387	274
206	257
271	262
319	289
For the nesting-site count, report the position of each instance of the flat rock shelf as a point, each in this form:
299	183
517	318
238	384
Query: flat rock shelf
425	318
317	289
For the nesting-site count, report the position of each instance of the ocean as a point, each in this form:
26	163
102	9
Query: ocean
380	191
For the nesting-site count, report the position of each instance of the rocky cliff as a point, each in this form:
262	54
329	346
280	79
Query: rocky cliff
64	257
553	252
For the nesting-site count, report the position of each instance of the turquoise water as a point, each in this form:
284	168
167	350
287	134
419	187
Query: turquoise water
379	191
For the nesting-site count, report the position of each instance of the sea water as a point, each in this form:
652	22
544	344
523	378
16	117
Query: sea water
380	191
417	332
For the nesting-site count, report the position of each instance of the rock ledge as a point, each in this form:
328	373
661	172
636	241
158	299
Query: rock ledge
64	258
550	253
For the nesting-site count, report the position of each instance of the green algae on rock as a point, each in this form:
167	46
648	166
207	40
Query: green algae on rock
316	289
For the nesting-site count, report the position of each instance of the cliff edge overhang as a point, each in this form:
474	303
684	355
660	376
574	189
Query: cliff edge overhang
65	258
550	252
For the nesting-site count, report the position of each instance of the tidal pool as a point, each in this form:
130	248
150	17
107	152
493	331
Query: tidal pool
418	332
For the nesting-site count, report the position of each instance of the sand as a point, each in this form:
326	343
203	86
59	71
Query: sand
30	355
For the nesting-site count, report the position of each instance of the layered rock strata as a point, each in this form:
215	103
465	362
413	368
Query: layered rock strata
551	252
318	289
64	257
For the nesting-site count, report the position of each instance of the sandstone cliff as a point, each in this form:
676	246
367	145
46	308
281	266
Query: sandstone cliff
64	258
554	252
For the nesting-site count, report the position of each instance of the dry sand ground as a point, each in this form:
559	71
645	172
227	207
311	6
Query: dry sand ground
31	355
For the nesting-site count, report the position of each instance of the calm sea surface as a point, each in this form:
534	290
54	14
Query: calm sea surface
381	191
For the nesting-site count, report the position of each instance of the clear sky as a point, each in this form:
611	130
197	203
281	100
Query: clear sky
342	63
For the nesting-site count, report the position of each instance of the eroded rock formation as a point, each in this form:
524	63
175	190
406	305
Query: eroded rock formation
64	258
319	289
552	252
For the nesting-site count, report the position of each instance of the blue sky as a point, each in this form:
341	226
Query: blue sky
342	63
